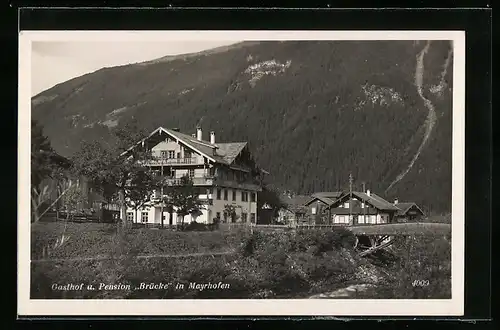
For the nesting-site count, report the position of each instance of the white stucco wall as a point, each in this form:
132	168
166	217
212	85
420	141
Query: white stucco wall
164	146
247	207
154	216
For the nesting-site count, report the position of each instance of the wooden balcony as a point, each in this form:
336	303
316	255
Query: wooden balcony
158	161
197	181
246	185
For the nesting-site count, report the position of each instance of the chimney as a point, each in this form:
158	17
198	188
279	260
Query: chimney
193	135
396	201
368	192
212	137
198	133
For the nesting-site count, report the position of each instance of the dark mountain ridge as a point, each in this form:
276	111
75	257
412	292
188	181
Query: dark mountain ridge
312	112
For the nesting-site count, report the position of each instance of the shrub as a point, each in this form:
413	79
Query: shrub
196	226
250	243
278	274
318	241
419	258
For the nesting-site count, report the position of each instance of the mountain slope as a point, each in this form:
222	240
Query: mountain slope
312	112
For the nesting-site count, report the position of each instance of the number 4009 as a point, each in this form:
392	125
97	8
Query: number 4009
420	283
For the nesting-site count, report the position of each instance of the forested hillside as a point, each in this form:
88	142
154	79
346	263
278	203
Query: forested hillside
312	112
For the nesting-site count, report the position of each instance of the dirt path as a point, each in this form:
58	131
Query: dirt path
348	292
431	116
98	258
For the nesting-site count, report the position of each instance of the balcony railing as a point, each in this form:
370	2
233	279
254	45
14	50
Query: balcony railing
171	161
197	180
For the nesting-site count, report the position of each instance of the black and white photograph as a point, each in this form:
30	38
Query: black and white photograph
242	172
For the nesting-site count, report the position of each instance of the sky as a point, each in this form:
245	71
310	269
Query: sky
54	62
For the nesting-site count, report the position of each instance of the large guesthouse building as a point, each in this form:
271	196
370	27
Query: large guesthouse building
225	175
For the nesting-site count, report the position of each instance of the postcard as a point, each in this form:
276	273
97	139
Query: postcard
273	173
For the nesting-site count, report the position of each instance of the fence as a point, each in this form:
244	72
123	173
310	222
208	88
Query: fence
235	226
102	216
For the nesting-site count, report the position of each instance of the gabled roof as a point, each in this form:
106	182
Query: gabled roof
295	203
224	153
325	200
328	194
229	151
326	197
406	206
374	200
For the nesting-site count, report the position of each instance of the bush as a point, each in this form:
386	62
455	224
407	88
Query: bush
419	258
250	243
196	226
279	275
294	262
319	242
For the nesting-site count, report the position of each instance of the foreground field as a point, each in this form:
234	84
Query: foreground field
222	264
88	240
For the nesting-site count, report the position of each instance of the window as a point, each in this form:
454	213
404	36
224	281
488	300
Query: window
252	217
210	191
361	219
253	197
217	215
178	155
191	172
244	196
144	216
130	216
218	194
164	154
346	205
171	154
234	194
187	154
225	194
244	217
341	219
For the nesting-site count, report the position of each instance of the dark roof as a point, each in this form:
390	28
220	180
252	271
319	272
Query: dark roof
405	207
325	200
295	203
229	151
224	153
374	200
327	197
327	194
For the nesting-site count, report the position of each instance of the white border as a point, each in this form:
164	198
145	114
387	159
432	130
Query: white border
271	307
